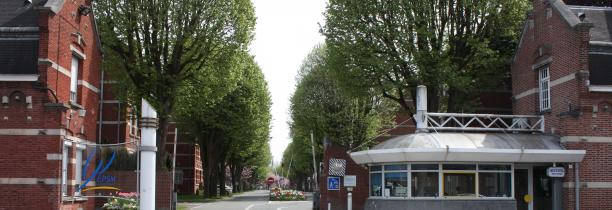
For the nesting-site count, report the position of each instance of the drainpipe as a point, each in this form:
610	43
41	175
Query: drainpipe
421	105
577	186
101	106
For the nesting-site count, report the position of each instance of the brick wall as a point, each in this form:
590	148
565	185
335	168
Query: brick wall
338	198
549	37
26	156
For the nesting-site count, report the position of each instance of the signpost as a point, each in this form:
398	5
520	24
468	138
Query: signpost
555	171
333	183
270	181
350	181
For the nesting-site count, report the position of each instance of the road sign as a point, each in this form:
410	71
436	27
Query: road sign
333	183
555	171
270	181
350	181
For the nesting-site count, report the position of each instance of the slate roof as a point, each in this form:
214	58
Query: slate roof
601	17
19	37
14	14
600	59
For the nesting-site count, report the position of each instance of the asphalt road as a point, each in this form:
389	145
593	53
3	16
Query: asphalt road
254	200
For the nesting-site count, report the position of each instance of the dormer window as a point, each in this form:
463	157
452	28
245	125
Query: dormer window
544	80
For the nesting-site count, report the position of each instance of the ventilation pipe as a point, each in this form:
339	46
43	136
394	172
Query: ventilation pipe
421	109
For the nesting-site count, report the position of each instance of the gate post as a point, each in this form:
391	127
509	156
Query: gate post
147	152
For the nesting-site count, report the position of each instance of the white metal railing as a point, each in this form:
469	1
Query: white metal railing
483	122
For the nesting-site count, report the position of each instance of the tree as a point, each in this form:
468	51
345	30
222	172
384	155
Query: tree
232	125
321	106
160	44
454	47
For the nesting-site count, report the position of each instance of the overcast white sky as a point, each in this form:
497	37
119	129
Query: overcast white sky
286	31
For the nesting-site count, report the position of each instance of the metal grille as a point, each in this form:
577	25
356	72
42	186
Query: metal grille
484	122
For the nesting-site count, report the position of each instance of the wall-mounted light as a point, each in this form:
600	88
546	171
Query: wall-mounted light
84	10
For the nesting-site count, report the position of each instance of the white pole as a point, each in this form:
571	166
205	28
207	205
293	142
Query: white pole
314	161
328	206
147	151
421	122
174	165
349	201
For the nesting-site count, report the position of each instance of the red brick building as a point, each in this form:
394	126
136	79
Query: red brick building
189	171
49	89
563	71
120	126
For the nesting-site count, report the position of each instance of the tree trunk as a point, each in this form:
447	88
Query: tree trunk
221	178
210	164
162	132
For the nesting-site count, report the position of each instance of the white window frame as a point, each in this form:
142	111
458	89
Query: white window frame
382	181
385	171
66	149
78	168
440	171
544	88
74	78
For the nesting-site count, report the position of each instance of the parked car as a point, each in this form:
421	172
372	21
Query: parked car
228	189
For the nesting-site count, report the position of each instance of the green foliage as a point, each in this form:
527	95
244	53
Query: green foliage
124	160
454	47
159	45
228	111
319	105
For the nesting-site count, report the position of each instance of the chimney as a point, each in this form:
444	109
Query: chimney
421	109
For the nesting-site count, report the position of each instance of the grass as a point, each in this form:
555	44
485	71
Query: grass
198	198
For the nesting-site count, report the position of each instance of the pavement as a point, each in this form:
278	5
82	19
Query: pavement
254	200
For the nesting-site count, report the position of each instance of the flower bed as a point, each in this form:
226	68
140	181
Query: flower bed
277	194
127	200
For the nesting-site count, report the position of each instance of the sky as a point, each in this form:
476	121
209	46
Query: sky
286	31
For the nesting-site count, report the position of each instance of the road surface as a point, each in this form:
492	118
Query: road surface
254	200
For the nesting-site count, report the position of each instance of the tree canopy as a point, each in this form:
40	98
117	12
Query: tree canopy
160	44
319	105
454	47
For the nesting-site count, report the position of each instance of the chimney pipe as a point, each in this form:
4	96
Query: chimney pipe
421	109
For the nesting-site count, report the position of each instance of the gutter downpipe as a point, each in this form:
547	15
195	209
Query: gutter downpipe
101	106
421	113
577	186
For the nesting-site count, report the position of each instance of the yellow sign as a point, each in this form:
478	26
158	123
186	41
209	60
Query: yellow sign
528	198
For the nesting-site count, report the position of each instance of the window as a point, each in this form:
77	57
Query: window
396	181
424	180
473	181
65	161
78	166
495	180
460	184
74	77
544	88
424	184
376	184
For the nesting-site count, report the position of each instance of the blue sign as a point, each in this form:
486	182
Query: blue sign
333	183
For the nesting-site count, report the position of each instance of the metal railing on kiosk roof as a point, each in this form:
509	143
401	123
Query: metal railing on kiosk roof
483	122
